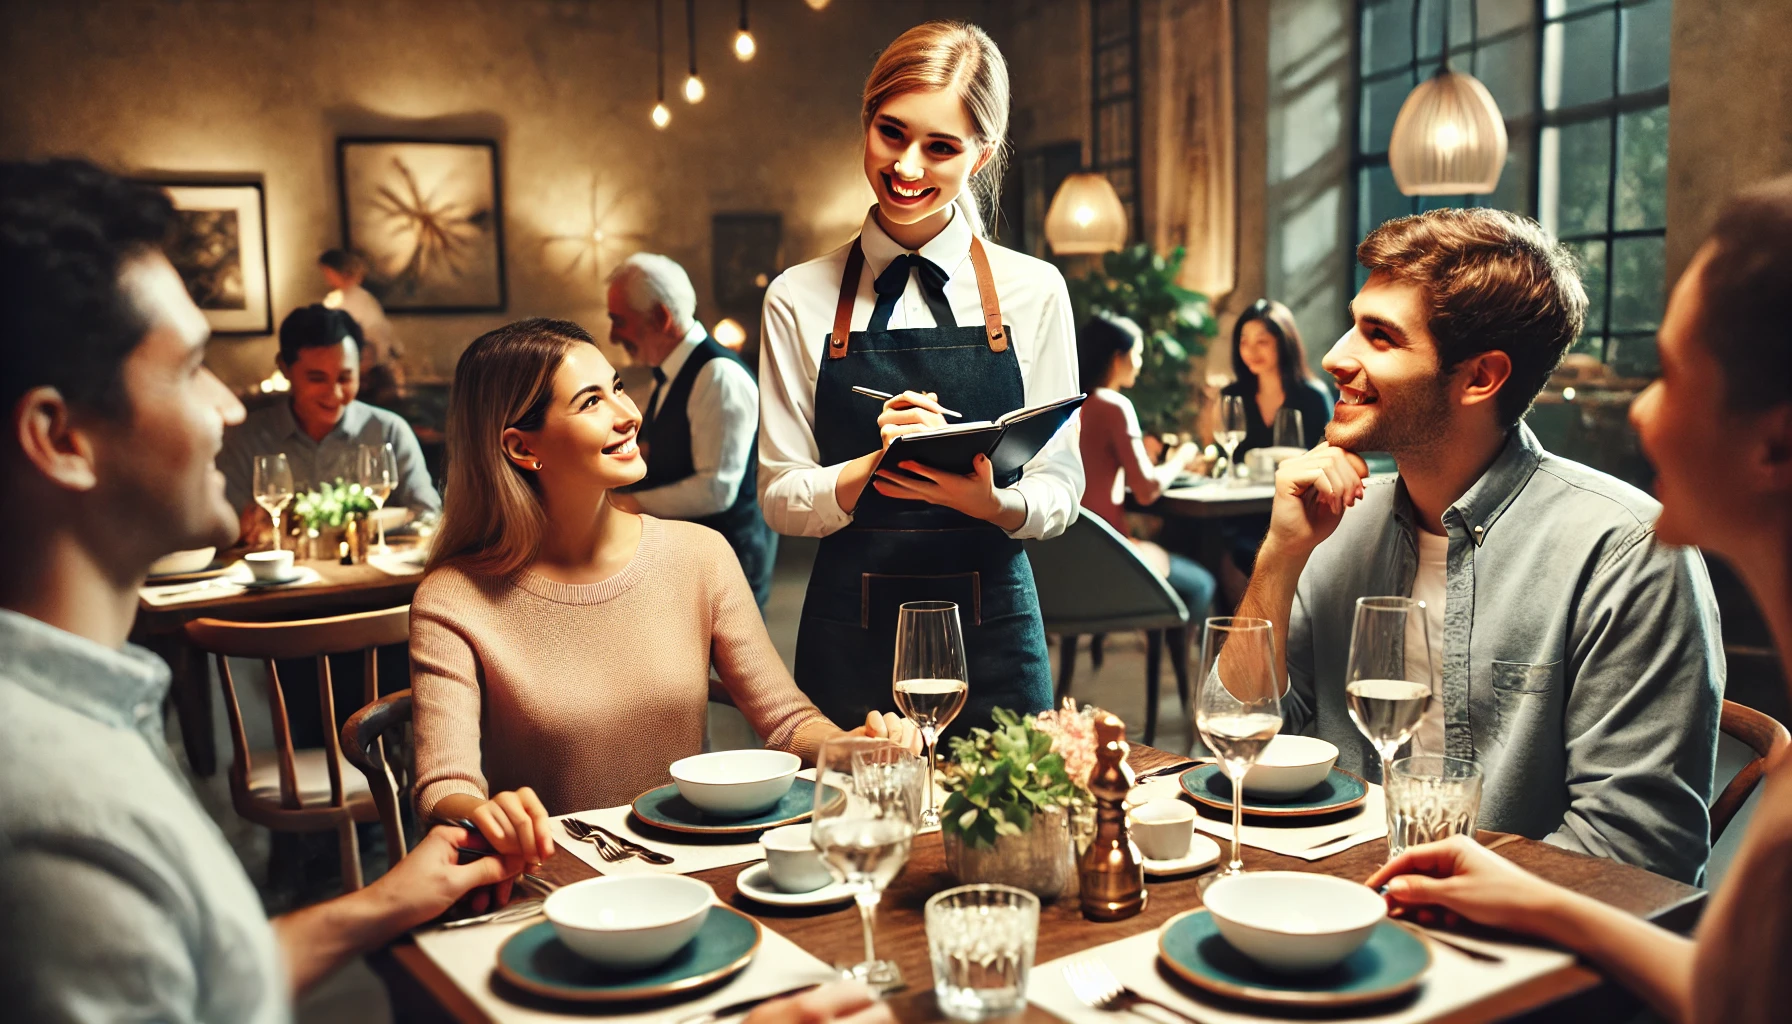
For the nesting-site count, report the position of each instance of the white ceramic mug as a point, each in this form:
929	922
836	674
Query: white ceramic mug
1163	829
792	859
268	566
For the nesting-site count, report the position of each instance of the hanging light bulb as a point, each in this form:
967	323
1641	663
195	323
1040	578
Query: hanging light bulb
661	115
730	334
744	47
1449	138
816	5
1086	217
693	86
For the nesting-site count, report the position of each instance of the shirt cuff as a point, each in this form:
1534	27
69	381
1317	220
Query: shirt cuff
825	502
1032	525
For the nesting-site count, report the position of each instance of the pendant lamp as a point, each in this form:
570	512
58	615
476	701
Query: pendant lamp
693	86
744	46
1450	138
662	115
1086	217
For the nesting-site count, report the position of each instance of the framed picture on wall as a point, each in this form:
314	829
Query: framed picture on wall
220	248
428	216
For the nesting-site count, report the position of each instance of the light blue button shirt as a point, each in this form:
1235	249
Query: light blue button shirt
273	429
119	898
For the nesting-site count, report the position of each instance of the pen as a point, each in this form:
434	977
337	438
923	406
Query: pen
882	397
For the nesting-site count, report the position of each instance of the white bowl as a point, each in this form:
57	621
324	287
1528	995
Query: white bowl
182	562
630	922
1294	921
1289	766
735	783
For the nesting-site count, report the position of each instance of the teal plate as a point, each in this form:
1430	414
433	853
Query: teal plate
1207	784
536	961
1392	962
664	808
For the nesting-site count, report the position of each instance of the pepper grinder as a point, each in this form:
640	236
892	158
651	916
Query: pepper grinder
1111	874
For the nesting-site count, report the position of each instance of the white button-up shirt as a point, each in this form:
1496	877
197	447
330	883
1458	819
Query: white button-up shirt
796	491
723	414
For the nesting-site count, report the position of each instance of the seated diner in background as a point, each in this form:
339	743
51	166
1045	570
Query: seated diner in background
1717	425
1110	350
319	425
119	897
1269	374
1520	555
559	645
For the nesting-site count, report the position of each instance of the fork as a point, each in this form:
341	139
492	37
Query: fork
649	855
610	852
1094	984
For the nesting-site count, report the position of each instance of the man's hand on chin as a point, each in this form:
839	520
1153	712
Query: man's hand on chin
1312	492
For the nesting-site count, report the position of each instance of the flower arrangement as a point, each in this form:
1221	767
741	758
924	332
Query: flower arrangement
1000	779
331	504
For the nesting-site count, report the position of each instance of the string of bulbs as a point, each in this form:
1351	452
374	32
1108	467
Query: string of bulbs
745	48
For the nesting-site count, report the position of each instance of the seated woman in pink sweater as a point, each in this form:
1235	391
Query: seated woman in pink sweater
559	645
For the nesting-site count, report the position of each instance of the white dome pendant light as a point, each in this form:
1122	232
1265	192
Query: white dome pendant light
1450	138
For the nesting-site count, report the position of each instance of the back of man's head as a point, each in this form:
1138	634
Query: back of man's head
650	280
343	261
67	230
316	326
1493	281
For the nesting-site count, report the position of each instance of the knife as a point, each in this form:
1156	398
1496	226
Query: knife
744	1005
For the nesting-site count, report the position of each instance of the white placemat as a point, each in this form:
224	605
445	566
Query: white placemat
400	561
686	857
226	585
468	955
1454	981
1313	842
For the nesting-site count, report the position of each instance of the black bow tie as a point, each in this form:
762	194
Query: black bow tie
894	279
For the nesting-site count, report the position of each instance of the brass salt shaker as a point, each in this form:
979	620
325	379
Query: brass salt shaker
1111	873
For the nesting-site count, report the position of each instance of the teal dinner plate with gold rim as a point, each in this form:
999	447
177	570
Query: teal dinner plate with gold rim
1207	784
664	808
536	961
1391	963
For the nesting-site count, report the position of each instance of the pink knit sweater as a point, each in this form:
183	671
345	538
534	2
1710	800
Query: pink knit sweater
587	693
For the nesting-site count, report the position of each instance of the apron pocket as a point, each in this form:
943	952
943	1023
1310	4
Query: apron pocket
881	594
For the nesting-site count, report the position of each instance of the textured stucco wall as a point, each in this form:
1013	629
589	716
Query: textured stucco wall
265	87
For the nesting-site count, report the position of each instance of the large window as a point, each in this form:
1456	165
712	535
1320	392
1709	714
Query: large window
1583	85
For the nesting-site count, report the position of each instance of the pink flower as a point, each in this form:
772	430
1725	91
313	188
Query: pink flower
1073	738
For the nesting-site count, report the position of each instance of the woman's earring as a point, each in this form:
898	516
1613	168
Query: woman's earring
537	463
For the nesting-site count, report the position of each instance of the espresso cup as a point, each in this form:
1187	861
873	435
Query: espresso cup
269	566
1163	828
791	857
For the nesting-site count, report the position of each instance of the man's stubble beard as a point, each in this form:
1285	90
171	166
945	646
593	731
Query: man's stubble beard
1408	427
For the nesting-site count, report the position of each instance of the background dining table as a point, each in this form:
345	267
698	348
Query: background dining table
1576	992
342	589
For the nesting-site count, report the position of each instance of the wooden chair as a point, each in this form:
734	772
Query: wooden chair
1767	738
372	742
302	790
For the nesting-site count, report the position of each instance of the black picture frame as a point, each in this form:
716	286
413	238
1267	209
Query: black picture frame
220	250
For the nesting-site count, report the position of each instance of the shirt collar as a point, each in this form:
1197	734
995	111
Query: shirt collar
1477	510
949	249
675	361
113	687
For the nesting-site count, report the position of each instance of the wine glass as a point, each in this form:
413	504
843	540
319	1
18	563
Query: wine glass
1290	430
1387	680
1231	432
930	676
273	487
867	809
1238	709
377	469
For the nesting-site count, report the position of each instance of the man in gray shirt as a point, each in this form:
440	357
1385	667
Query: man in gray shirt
1606	743
319	424
119	898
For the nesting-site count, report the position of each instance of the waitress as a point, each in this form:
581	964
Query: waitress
920	306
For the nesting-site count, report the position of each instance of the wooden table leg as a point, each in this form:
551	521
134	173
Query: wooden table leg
190	691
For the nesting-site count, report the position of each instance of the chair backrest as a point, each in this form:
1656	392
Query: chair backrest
1767	738
268	642
1092	580
369	739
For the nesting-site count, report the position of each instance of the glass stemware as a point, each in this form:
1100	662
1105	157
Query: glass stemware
1238	709
930	678
1388	678
1290	429
376	467
273	487
1231	432
867	810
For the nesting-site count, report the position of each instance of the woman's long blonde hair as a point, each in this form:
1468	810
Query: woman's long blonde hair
959	56
492	519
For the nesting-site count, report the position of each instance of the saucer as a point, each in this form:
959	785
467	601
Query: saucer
755	883
536	961
255	584
1207	785
1392	962
664	808
1202	853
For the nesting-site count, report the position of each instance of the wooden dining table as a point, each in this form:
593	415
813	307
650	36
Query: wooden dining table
342	589
1576	992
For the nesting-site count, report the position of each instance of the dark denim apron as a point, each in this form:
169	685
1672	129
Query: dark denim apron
896	550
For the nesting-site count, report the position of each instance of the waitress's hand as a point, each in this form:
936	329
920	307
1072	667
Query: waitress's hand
907	413
974	493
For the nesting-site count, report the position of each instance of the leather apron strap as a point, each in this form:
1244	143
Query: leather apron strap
849	292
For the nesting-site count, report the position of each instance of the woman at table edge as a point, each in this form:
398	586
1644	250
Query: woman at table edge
920	303
1270	372
556	639
1717	425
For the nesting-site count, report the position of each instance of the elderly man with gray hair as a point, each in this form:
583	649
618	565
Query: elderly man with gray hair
699	426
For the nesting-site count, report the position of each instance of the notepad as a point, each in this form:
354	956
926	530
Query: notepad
1010	442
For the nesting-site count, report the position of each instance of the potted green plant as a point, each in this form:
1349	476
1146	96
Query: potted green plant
1010	799
1140	284
323	513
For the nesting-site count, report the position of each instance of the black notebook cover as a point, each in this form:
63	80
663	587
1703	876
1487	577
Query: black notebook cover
1010	442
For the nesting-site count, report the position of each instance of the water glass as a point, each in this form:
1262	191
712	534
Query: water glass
981	938
1429	799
